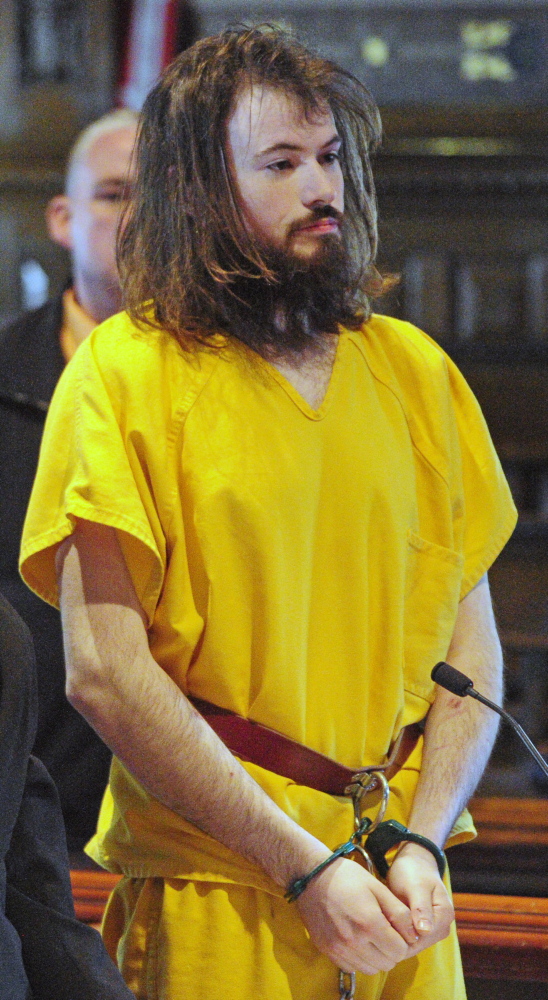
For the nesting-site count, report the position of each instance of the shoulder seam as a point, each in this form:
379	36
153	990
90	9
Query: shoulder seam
180	415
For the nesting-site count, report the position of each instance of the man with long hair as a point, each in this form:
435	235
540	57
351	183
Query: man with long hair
281	507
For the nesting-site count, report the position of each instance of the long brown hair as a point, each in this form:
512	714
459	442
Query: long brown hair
183	245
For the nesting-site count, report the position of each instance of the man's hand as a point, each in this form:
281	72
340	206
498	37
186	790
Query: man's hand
355	920
414	878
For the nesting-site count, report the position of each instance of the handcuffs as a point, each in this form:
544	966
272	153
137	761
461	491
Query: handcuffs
371	841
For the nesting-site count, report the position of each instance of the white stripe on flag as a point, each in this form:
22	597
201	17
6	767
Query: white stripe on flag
146	47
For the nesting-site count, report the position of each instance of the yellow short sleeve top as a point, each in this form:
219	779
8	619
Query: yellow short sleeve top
300	567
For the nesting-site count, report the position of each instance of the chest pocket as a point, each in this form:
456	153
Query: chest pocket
433	581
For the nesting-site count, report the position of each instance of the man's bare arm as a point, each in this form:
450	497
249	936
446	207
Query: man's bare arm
459	736
460	732
113	680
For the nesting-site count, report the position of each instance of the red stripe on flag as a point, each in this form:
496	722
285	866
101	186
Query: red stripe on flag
170	32
150	46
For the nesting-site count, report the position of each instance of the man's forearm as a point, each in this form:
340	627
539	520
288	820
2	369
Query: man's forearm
459	735
460	732
152	728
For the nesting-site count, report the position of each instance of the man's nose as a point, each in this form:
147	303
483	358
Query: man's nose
318	187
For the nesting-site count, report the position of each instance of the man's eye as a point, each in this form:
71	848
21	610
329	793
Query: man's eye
115	194
332	157
279	166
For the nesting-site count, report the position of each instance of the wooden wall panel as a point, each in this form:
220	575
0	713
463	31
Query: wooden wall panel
51	86
424	54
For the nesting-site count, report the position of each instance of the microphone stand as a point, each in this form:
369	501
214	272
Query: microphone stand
453	680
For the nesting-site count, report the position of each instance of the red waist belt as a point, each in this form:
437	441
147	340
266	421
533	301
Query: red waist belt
263	746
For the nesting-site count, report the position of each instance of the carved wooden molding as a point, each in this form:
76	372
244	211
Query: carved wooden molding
462	174
502	821
91	890
503	937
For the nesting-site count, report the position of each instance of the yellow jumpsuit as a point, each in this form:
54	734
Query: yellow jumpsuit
300	567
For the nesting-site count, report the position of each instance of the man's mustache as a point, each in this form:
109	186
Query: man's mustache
316	214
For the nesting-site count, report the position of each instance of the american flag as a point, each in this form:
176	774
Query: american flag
151	39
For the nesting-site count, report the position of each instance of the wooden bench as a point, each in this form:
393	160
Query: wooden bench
505	821
502	937
510	855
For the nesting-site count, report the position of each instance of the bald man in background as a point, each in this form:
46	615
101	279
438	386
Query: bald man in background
33	353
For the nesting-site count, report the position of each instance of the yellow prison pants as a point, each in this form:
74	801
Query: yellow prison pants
177	940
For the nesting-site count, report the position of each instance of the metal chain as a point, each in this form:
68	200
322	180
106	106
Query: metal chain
347	985
361	785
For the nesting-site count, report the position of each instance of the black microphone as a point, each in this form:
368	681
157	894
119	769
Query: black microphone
453	680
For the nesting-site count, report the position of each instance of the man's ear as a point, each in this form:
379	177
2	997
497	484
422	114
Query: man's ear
58	220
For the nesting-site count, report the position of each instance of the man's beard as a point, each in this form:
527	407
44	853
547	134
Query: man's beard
309	299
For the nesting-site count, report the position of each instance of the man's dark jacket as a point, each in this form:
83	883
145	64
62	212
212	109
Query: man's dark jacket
31	362
45	952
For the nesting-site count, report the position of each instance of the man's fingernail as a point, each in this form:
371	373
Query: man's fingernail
424	925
